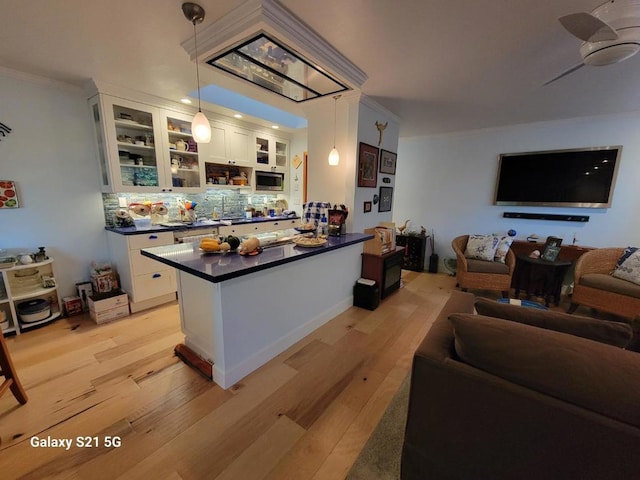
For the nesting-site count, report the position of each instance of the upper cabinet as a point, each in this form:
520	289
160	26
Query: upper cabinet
271	153
142	148
147	148
185	165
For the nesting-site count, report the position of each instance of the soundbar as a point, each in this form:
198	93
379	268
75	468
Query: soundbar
547	216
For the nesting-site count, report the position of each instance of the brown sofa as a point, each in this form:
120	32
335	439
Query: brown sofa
498	399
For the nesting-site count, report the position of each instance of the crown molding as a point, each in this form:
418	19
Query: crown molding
271	17
38	79
371	103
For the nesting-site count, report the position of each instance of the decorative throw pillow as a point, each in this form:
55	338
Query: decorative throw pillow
503	248
481	247
628	266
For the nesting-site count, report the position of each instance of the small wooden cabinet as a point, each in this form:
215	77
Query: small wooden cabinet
22	283
385	269
415	247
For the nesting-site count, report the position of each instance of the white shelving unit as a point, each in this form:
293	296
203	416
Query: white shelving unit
25	282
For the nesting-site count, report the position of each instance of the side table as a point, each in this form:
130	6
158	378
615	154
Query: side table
415	247
540	277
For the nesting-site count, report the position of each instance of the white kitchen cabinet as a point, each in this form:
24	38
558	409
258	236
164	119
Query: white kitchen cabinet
258	227
130	157
271	153
216	150
185	155
134	141
148	283
240	145
22	283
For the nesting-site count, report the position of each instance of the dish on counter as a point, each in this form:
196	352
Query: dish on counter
309	242
216	252
304	230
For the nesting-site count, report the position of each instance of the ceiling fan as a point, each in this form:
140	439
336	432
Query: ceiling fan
610	33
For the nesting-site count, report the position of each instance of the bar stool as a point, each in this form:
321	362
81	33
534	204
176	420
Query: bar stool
9	372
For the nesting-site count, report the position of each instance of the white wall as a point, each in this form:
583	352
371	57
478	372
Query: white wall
50	154
448	182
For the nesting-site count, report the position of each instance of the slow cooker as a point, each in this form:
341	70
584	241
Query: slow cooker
33	310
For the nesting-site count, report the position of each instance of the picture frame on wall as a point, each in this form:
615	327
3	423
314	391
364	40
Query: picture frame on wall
388	162
386	197
8	194
367	165
367	207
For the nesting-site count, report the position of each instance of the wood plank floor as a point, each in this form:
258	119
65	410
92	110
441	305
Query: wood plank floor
304	415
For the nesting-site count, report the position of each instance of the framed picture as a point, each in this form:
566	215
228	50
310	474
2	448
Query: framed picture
367	207
8	194
551	249
386	196
367	165
388	162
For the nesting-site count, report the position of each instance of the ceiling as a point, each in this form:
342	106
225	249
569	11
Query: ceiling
439	66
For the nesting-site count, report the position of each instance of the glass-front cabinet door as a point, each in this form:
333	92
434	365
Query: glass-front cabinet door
282	154
130	159
263	145
271	152
185	165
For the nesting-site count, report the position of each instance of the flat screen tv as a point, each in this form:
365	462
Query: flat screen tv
581	177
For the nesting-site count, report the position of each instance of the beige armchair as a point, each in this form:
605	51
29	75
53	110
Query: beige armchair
595	287
481	274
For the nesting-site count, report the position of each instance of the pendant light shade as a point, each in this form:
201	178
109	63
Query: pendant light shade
200	126
334	156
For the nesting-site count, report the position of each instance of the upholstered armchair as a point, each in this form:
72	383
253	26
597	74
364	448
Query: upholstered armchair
595	287
482	274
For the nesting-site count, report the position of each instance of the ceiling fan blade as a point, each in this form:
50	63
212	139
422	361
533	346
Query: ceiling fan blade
587	27
563	74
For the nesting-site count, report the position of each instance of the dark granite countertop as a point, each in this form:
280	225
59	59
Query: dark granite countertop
220	267
136	230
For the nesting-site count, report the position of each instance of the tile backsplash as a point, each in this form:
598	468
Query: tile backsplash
226	203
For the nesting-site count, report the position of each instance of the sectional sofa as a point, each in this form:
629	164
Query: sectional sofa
519	393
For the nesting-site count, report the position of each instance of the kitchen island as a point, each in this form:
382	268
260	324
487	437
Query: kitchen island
237	312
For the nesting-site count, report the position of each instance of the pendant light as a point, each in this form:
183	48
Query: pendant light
334	156
200	127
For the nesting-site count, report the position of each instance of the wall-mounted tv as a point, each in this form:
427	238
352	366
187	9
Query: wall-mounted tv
581	177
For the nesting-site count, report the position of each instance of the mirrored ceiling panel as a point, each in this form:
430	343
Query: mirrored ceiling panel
264	62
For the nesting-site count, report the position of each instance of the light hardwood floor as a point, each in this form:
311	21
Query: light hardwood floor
304	415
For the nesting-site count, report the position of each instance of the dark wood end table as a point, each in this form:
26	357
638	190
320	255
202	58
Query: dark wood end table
540	277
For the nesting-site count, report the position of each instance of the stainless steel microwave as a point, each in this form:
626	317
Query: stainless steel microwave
270	181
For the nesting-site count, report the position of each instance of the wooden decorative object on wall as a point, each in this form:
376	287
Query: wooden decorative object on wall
381	126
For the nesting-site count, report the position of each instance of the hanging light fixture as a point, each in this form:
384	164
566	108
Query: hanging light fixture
200	127
334	156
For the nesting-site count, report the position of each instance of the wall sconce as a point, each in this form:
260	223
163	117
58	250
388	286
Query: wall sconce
334	156
200	127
